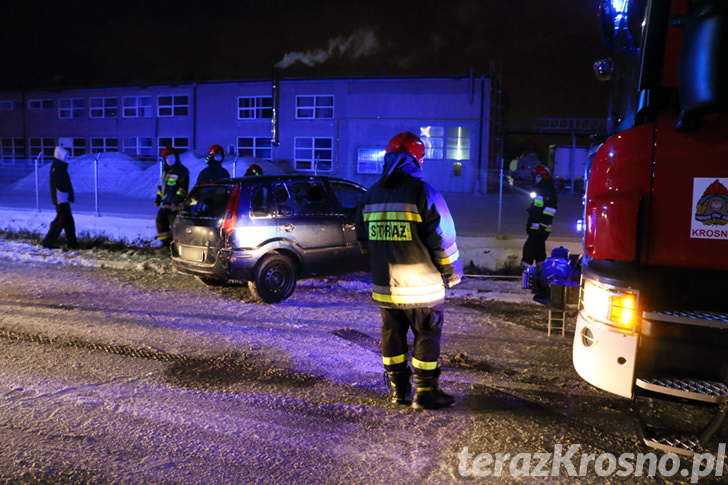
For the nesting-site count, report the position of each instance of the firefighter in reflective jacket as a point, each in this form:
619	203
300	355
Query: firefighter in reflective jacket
540	216
175	184
406	228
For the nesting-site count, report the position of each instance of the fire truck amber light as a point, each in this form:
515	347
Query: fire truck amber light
621	310
609	306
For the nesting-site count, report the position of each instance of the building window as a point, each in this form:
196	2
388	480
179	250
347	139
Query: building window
78	147
136	107
369	160
42	145
12	148
181	143
168	106
7	105
434	140
37	104
458	143
252	107
313	154
101	144
103	107
71	108
258	147
314	107
138	146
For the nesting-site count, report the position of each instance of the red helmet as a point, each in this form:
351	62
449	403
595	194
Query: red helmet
168	150
254	169
408	142
216	149
542	171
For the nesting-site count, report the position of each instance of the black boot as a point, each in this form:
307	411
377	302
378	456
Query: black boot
428	394
399	381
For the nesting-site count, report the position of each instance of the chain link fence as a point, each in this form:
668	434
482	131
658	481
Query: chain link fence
111	183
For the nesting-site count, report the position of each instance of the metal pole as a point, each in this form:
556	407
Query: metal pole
500	196
96	182
572	160
37	195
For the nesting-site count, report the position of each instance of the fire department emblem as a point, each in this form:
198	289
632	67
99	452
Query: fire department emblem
710	199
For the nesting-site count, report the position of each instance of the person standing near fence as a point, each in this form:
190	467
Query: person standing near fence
214	170
62	196
175	184
540	216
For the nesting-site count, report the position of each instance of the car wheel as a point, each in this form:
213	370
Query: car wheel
274	280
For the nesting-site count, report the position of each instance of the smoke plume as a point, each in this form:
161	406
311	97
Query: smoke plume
361	43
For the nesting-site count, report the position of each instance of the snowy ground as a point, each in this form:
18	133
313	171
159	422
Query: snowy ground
117	369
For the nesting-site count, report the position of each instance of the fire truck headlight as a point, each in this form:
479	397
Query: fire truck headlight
613	307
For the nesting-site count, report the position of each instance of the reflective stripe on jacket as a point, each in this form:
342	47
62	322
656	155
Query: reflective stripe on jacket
175	184
405	226
543	207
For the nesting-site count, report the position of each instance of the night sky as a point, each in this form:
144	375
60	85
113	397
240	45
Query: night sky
545	47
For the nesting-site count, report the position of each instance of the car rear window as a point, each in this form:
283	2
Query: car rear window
207	201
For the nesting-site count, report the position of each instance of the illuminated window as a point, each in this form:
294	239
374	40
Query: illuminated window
458	143
12	148
181	143
434	140
258	147
37	104
103	107
314	154
7	105
71	108
314	107
102	144
138	146
369	160
255	107
136	107
169	106
42	145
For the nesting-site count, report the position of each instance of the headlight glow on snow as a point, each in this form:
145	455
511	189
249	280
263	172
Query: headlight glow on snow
611	306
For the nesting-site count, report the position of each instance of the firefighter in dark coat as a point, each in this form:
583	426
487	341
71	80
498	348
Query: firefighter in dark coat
62	196
540	216
406	228
175	184
214	170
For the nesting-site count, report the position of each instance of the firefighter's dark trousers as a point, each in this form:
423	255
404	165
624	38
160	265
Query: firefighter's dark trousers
63	222
165	219
426	325
534	249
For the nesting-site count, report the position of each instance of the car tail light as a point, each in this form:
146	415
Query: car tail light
231	211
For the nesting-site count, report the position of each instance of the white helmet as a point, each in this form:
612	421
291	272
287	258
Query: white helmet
61	153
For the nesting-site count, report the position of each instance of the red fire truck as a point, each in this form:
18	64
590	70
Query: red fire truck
653	307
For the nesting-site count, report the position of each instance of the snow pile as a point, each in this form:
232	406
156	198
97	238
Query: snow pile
116	172
119	173
137	231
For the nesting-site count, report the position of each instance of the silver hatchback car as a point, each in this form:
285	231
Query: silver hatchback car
268	231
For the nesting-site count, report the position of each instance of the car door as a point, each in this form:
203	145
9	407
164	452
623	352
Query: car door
348	195
306	216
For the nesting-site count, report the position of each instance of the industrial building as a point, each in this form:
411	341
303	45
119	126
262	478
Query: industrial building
333	126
